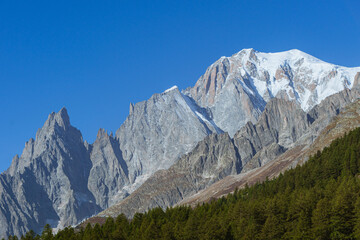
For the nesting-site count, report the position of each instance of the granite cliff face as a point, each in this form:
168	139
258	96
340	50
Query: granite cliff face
160	130
245	111
109	171
212	159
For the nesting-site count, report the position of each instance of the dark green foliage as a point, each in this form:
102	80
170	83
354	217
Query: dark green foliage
319	200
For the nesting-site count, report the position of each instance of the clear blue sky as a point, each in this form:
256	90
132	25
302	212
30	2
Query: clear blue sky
95	57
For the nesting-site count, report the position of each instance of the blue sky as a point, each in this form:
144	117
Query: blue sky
95	57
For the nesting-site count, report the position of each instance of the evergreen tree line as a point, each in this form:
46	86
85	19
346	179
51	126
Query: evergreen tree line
318	200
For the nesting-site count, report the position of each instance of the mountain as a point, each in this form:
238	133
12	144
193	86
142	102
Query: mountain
161	129
237	88
48	182
44	184
244	111
282	129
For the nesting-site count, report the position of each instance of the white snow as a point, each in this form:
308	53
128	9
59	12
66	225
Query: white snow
260	86
171	89
138	182
242	71
311	79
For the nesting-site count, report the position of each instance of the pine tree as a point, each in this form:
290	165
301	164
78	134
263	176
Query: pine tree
357	218
342	220
47	233
321	220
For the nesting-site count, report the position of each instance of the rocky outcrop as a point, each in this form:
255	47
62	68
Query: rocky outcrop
357	80
280	125
109	172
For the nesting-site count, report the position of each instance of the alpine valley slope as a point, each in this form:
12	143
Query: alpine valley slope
43	185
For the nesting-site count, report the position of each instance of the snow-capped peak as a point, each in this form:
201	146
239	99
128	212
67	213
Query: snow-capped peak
291	74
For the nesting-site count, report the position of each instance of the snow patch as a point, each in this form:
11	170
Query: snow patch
132	187
171	89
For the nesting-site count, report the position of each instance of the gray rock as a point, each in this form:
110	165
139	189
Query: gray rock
212	159
158	131
109	172
281	123
48	183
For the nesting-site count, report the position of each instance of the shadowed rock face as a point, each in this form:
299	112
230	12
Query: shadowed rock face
283	126
280	125
109	172
337	114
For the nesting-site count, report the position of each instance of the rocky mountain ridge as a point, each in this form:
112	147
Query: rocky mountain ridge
346	121
48	182
282	127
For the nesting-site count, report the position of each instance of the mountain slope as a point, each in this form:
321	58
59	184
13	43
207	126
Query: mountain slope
158	131
233	91
282	129
346	121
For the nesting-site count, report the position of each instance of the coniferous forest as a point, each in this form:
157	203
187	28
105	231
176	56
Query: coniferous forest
318	200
